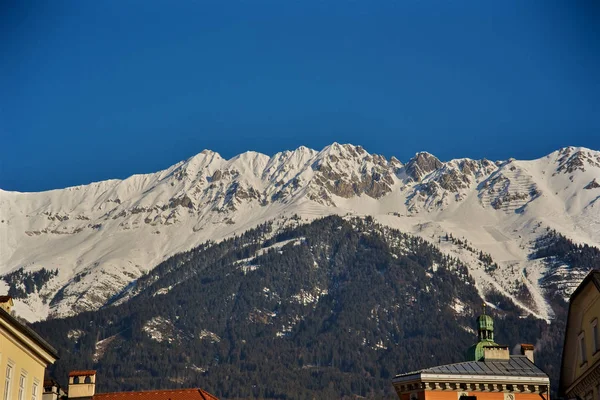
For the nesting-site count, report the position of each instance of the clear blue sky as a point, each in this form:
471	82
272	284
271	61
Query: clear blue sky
91	90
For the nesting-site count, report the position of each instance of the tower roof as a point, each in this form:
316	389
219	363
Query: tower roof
476	352
485	322
485	335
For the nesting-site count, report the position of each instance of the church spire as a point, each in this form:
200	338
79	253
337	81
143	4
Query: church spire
485	336
485	326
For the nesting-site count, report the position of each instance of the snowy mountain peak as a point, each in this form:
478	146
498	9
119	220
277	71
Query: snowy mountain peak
422	164
103	236
571	159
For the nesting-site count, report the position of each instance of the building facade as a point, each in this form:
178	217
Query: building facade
490	373
580	369
24	356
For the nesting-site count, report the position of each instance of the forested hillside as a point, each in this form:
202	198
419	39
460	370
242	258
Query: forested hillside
329	309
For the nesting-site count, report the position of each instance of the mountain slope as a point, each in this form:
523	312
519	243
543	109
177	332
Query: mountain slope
97	239
328	309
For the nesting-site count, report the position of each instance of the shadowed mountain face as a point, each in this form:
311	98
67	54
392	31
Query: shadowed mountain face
421	165
292	310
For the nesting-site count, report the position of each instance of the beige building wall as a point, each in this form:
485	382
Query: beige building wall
17	361
582	343
591	313
82	389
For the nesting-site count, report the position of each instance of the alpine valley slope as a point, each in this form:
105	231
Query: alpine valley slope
101	237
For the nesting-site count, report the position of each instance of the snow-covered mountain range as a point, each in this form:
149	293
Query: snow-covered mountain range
101	237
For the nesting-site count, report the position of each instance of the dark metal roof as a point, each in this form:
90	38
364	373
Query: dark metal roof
30	333
515	366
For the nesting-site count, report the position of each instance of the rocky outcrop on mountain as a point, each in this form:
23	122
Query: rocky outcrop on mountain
347	171
571	160
448	183
422	164
509	188
508	198
592	185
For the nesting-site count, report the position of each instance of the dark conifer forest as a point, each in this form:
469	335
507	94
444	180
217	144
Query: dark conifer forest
330	309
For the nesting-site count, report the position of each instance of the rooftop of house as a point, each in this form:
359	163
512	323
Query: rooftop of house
86	372
592	276
516	365
174	394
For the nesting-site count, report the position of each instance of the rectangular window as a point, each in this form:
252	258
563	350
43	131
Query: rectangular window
595	335
582	349
34	391
22	380
7	381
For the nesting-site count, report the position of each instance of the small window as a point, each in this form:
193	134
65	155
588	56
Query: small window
76	380
22	380
595	340
582	348
8	381
34	391
88	379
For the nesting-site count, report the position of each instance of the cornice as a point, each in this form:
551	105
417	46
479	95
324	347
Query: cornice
588	379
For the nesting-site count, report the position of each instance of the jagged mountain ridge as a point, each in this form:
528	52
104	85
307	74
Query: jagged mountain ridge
103	236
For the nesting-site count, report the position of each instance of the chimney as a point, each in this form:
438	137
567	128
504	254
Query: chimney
6	302
52	390
496	353
82	384
527	351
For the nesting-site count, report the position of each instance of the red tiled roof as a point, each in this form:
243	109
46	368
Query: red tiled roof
174	394
4	299
83	373
526	346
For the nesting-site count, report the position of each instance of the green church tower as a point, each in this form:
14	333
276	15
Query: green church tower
485	333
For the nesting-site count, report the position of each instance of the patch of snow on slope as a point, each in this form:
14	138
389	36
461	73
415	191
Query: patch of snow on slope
75	334
208	335
308	297
458	306
101	347
162	291
160	329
